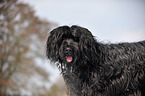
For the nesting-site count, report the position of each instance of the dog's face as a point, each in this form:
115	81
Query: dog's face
69	45
69	49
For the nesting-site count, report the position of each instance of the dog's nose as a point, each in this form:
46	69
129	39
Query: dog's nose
68	50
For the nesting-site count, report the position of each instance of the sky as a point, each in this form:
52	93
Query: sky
110	21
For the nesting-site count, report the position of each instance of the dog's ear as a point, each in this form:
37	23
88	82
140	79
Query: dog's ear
87	44
54	42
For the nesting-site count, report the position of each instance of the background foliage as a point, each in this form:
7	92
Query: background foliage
22	44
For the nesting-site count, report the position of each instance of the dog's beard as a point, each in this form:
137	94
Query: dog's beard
68	58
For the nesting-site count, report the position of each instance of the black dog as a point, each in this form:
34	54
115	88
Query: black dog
91	68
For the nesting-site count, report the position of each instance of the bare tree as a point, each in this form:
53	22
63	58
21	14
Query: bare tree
22	39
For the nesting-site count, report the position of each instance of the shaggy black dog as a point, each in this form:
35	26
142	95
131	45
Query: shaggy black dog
91	68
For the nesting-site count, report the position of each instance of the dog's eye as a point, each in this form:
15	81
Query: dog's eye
76	39
63	38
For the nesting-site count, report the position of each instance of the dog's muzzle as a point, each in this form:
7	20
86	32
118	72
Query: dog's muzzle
68	53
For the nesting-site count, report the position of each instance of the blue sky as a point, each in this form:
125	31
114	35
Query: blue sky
108	20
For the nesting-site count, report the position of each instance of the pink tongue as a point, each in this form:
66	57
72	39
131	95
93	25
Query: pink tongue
69	59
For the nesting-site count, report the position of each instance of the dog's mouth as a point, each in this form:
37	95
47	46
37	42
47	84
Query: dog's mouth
69	58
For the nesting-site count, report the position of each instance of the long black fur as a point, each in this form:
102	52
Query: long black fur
97	69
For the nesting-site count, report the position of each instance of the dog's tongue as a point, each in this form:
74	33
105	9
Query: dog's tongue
69	59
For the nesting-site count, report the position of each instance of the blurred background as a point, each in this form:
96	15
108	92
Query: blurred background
24	27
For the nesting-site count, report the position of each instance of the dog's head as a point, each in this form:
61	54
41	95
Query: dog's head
71	44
